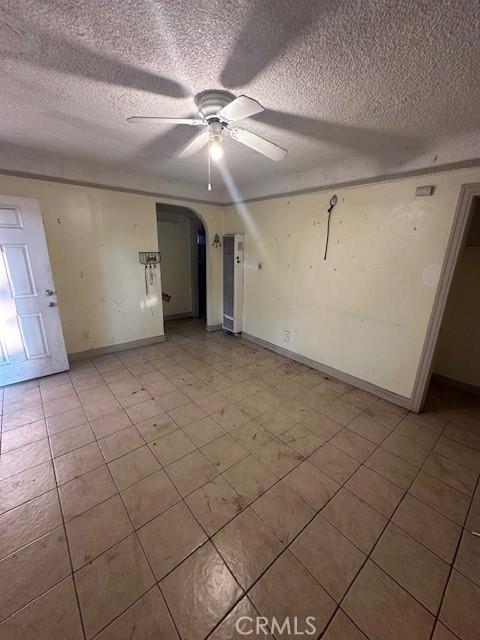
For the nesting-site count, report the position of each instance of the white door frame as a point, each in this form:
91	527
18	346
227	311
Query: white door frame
456	240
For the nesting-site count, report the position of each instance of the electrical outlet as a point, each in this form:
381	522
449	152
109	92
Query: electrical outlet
86	334
286	335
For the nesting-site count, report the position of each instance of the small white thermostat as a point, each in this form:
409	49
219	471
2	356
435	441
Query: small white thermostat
425	191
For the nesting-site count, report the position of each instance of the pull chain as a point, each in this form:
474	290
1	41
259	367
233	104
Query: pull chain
209	173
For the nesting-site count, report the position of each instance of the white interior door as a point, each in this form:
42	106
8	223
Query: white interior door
31	338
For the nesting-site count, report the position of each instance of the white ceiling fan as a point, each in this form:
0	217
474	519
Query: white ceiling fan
217	115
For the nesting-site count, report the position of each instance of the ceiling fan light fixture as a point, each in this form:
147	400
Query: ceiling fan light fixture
215	150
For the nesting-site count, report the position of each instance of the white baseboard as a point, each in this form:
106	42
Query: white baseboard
401	401
114	348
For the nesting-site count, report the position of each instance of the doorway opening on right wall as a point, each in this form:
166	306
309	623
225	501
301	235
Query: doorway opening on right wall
449	370
456	363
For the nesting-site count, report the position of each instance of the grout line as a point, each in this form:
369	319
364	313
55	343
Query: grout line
68	545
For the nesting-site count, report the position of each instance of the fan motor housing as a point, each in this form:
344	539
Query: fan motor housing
209	103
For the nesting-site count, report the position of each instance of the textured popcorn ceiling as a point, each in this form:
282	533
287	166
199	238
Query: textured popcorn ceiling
353	89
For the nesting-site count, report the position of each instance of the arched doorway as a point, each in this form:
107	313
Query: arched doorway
182	242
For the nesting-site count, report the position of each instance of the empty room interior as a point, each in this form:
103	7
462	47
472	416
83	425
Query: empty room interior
240	320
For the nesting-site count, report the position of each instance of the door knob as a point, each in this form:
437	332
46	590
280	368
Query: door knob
52	304
50	292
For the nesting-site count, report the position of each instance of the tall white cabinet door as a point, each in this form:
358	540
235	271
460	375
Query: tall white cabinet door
31	337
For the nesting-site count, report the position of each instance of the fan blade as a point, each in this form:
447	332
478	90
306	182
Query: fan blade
265	147
241	107
197	143
195	122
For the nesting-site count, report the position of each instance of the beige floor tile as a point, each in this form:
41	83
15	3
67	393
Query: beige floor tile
172	447
336	464
233	392
143	410
382	609
353	445
26	485
240	623
451	503
428	526
199	592
120	443
393	468
355	519
213	403
214	504
132	467
54	615
156	427
311	484
65	420
460	611
277	422
203	431
186	414
110	423
418	570
248	546
132	398
78	462
250	478
300	439
85	492
387	416
459	453
21	436
417	433
252	435
111	583
468	557
442	633
369	429
29	572
341	411
96	530
406	449
342	628
191	472
224	452
379	493
288	590
146	619
29	521
18	418
283	511
278	457
18	460
71	439
66	403
231	417
451	473
101	408
332	559
170	538
174	398
150	497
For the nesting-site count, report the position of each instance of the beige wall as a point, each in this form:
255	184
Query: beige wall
94	236
365	310
458	349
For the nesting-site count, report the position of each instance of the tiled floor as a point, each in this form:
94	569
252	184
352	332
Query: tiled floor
169	490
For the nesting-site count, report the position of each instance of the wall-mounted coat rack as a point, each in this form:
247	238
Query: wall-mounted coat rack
151	259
